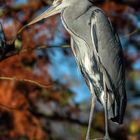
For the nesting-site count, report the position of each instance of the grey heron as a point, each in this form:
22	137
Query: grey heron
97	49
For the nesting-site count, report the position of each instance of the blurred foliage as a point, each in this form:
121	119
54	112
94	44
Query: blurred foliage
33	105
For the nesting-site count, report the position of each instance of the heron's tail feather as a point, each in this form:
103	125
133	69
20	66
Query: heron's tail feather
117	110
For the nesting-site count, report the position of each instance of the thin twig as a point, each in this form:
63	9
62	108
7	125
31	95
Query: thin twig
8	108
26	80
132	33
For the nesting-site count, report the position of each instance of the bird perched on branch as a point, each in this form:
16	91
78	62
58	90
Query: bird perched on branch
97	49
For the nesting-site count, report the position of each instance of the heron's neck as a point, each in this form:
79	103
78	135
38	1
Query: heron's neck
76	9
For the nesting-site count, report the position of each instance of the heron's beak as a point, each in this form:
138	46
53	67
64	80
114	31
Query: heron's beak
53	10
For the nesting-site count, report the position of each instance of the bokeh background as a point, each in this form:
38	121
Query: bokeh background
42	93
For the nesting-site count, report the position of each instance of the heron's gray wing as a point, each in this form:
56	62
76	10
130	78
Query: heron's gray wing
110	55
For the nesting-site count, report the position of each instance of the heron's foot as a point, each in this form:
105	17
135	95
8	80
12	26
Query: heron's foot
105	138
97	139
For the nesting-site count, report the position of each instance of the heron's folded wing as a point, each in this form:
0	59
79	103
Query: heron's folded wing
109	50
108	47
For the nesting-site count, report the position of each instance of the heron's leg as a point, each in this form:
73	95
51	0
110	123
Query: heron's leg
93	102
106	137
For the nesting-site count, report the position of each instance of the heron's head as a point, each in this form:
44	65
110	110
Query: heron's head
56	8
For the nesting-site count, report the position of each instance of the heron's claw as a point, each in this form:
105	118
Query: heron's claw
98	139
105	138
